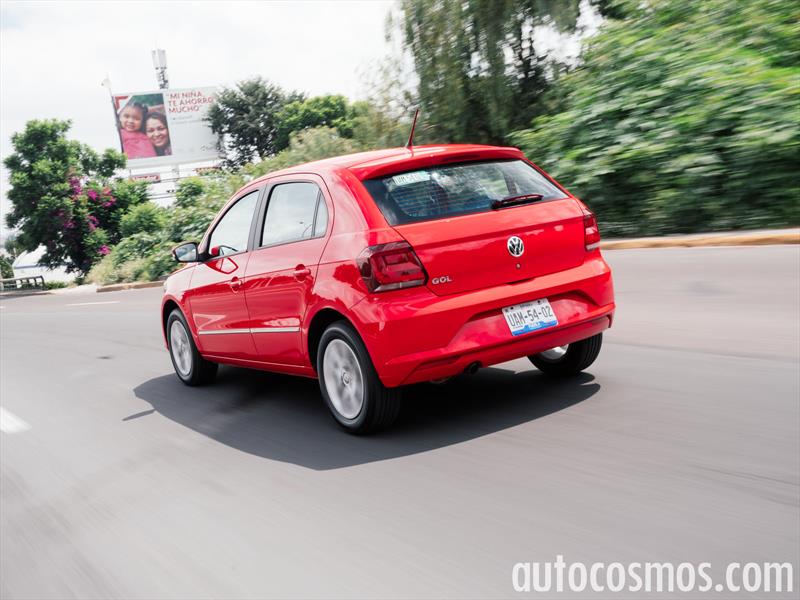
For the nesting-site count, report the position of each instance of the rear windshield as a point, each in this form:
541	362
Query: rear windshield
459	189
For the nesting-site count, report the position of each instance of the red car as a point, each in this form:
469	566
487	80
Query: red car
376	270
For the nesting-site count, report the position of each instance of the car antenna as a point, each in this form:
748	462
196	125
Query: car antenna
413	127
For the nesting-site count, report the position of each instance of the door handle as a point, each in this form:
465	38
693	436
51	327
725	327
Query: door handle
301	271
235	284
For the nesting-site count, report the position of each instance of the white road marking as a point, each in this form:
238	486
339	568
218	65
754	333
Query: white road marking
93	303
11	423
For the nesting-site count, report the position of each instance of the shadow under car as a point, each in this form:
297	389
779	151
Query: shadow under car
284	418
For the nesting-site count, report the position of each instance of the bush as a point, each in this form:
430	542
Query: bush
104	272
143	218
305	146
134	247
684	117
6	271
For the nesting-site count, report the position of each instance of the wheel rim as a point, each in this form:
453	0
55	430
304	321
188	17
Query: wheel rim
344	381
181	348
556	353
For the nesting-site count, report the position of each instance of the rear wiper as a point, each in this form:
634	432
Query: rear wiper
515	200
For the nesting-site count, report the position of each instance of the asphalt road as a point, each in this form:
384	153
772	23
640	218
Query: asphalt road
680	444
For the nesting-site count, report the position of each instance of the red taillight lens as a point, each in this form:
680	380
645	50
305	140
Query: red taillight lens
591	232
391	267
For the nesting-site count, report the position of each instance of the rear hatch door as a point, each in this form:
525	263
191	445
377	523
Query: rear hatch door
459	220
476	251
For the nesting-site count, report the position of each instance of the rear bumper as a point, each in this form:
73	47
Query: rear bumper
414	335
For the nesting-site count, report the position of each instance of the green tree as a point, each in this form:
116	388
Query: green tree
684	116
63	196
246	118
480	74
13	246
318	111
6	272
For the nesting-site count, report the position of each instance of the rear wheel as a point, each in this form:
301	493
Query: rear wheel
357	399
191	368
563	361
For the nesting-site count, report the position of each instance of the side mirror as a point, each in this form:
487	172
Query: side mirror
185	253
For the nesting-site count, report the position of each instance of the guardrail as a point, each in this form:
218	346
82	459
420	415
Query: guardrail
17	284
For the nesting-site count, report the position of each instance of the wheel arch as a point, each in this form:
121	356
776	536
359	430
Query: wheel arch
169	304
317	326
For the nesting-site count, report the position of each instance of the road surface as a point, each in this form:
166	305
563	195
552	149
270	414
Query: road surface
679	444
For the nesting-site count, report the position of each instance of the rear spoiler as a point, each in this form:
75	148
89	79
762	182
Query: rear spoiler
413	161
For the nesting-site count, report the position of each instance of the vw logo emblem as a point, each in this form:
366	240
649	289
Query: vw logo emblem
515	246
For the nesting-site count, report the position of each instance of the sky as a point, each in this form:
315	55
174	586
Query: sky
55	55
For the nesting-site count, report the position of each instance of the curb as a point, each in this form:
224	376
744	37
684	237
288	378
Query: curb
22	294
130	286
695	241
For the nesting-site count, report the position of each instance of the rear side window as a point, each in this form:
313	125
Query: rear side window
233	229
321	220
451	190
291	213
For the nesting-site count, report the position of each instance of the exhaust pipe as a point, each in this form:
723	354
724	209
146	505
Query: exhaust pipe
472	368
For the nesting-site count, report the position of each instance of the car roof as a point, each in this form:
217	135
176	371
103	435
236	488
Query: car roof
376	162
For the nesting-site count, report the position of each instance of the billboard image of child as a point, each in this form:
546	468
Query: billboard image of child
165	127
134	115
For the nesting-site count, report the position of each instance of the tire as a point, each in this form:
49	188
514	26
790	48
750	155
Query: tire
578	356
350	386
191	368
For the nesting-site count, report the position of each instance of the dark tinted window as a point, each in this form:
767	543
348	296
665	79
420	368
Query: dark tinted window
450	190
233	230
290	213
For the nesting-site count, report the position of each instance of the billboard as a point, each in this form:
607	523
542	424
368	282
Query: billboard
165	127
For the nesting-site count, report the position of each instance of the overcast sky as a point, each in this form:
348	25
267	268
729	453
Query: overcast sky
54	55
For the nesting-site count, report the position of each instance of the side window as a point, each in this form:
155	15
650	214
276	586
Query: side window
233	229
290	213
321	221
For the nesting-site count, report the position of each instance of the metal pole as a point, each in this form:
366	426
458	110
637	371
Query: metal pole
160	65
107	84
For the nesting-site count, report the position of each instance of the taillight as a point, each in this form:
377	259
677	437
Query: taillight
391	267
591	232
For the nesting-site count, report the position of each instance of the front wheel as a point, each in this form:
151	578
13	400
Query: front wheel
563	361
191	368
357	399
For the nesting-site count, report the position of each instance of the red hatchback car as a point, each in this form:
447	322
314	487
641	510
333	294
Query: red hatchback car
380	269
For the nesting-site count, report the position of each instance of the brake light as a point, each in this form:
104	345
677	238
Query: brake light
591	232
391	267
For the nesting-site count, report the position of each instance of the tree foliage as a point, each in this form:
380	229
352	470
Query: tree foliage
246	117
63	196
685	116
6	271
13	246
480	74
319	111
256	119
142	218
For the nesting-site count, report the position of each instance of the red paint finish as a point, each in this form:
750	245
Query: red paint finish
217	305
551	231
272	295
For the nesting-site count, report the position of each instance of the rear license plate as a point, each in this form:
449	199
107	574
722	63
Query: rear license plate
530	316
